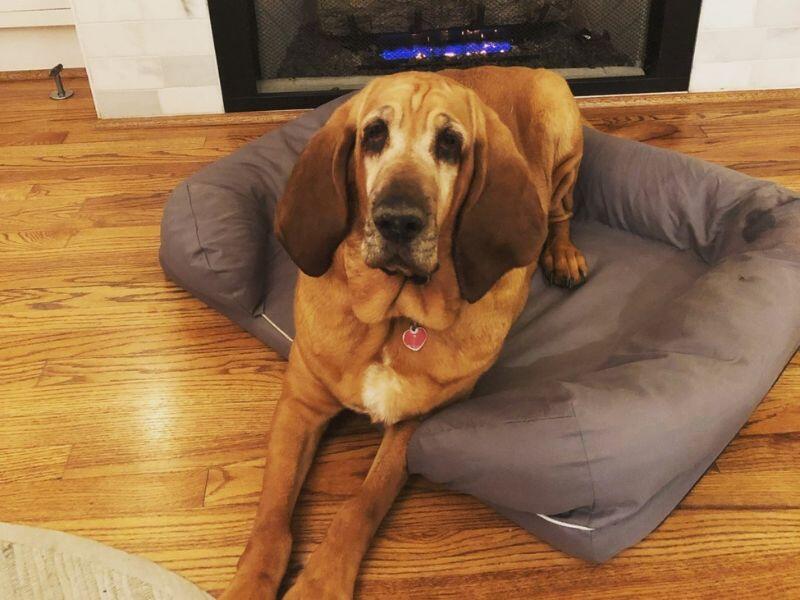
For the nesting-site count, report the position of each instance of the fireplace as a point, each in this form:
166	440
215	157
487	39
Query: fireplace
275	54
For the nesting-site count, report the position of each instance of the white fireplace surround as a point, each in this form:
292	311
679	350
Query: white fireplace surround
156	57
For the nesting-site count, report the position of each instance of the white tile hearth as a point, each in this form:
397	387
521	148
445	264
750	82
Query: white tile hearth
104	11
185	37
747	44
728	45
722	76
722	14
185	71
190	100
129	73
782	42
781	73
127	103
778	13
149	57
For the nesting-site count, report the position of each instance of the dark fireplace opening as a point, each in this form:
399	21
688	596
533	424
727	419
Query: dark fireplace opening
299	53
345	40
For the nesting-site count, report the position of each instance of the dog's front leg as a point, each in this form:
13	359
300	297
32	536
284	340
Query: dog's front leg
302	413
331	571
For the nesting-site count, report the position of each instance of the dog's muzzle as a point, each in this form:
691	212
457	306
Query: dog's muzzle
405	232
397	222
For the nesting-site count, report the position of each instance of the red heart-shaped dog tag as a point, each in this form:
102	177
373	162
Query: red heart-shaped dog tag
414	338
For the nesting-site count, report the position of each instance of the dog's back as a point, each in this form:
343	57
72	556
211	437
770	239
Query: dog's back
540	111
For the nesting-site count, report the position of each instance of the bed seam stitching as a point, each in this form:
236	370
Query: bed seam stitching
591	479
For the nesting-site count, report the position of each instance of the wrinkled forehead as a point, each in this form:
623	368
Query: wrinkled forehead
417	101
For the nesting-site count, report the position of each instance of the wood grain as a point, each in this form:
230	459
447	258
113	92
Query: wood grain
37	463
133	414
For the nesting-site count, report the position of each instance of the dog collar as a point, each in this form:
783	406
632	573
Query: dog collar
414	337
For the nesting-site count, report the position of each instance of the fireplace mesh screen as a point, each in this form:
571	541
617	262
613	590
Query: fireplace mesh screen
341	42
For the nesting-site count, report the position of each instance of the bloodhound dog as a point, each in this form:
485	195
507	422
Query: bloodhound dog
416	215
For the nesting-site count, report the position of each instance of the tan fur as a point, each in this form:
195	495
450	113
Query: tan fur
346	344
348	350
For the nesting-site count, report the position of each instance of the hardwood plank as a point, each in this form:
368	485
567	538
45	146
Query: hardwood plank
754	471
255	364
86	250
41	74
176	164
698	100
765	169
144	237
779	412
20	374
648	131
223	129
124	209
16	155
104	154
351	438
98	457
167	307
63	273
25	213
788	181
727	151
38	463
757	490
255	117
41	209
12	242
14	193
338	471
32	139
201	330
236	411
760	453
34	94
724	113
101	496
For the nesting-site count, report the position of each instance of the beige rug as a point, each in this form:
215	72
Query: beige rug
39	564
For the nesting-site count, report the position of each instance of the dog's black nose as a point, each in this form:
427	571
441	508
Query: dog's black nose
398	225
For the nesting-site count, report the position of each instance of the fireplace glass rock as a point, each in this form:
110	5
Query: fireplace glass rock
320	45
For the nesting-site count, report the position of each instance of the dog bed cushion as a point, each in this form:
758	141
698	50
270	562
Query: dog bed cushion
608	402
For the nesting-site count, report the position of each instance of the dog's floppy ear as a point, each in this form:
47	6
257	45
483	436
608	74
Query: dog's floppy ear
501	224
311	219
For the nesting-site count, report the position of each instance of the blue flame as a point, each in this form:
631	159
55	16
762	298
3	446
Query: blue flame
449	51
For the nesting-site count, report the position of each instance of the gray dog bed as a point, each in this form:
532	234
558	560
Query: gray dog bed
608	402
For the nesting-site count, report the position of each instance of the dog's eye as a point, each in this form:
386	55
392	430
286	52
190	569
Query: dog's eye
448	146
375	136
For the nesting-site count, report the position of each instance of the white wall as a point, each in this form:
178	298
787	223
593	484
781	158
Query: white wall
747	44
149	57
37	34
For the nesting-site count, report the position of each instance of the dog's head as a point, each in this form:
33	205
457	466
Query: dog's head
423	171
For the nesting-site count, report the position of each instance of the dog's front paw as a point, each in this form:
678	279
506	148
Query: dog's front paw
250	587
563	264
316	588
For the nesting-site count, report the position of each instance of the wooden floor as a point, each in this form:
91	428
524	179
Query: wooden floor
132	414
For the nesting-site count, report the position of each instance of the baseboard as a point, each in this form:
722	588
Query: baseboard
669	98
